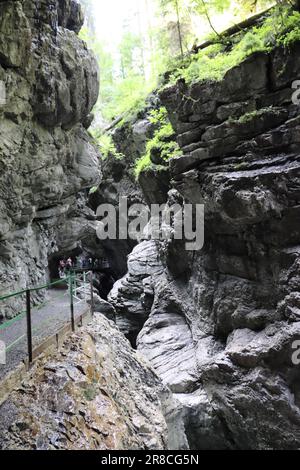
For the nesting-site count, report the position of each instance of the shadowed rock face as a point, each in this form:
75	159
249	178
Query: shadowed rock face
96	394
223	321
119	180
133	295
46	158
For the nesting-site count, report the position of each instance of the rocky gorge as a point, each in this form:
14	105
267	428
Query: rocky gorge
219	325
214	330
49	163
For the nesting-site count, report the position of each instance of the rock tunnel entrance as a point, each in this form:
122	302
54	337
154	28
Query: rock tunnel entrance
104	274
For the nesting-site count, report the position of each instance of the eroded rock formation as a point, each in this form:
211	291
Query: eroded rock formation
223	320
217	325
95	394
46	158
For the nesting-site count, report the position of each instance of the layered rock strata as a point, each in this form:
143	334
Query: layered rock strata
224	320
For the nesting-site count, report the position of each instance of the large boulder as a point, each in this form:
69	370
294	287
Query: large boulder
132	296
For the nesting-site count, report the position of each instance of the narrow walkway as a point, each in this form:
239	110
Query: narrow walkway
46	321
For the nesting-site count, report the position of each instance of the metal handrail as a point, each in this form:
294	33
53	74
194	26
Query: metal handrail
32	289
70	280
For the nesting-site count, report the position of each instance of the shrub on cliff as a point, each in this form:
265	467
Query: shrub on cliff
106	146
162	146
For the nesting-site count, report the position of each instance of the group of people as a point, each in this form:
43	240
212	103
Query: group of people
65	266
84	262
81	262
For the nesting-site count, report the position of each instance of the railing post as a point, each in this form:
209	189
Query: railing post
84	286
29	326
74	284
72	301
92	293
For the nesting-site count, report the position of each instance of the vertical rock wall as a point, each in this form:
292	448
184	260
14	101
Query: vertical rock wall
47	161
223	321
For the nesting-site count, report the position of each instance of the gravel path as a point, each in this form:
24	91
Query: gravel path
46	321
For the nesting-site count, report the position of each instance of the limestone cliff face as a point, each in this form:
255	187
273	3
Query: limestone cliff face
223	320
46	158
95	394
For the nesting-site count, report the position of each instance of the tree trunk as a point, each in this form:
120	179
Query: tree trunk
252	21
179	28
142	42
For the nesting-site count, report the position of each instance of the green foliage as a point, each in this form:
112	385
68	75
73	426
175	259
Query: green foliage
106	66
143	164
178	6
162	143
212	63
106	146
249	44
206	65
129	97
159	116
93	190
131	51
290	32
280	28
291	37
218	6
248	117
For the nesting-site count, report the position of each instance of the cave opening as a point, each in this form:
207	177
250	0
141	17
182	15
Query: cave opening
104	273
55	260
